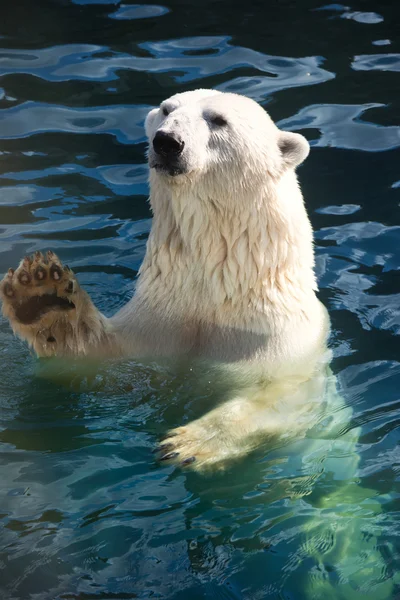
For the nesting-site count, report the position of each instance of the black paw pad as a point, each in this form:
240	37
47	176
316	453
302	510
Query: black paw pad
51	339
40	274
24	278
70	287
55	272
8	290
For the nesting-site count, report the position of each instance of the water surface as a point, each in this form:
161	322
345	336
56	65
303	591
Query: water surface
86	512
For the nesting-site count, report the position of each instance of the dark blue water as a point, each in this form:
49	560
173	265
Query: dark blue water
86	512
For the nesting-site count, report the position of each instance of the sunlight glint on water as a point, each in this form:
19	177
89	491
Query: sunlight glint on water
86	513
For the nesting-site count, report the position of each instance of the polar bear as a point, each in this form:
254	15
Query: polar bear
228	274
228	271
228	277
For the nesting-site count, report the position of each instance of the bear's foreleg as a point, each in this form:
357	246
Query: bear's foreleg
46	307
241	424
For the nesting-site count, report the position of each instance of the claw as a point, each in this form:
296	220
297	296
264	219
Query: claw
188	461
170	456
40	258
70	287
162	448
167	435
8	290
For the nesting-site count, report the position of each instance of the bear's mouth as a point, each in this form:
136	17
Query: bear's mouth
166	166
169	170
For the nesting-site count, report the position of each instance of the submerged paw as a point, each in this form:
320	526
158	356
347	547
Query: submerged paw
173	449
39	284
193	446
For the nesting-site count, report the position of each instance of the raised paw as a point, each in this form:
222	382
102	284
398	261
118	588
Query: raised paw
46	307
39	285
39	297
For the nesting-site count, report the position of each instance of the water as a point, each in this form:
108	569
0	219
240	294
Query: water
86	512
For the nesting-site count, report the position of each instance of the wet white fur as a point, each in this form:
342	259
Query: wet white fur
228	274
230	253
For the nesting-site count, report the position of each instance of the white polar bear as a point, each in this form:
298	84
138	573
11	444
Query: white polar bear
228	276
228	272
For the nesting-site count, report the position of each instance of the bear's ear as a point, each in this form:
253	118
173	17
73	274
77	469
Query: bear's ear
149	120
294	148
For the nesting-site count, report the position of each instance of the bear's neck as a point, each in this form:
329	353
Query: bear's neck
209	262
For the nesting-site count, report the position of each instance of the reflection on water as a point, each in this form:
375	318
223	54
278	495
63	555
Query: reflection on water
85	510
379	62
341	126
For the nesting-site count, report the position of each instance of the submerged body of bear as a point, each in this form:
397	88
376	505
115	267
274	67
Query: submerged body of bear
228	277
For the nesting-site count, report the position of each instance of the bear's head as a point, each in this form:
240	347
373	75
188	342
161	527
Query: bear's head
220	139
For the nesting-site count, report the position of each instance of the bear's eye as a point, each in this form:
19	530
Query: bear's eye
165	111
218	121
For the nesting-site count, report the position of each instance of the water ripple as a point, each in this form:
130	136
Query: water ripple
376	62
64	63
31	118
370	18
137	11
341	126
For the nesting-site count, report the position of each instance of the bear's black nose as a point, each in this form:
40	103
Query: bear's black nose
167	144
